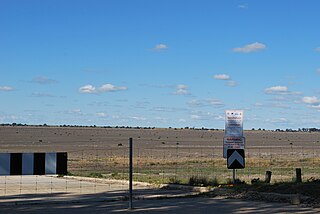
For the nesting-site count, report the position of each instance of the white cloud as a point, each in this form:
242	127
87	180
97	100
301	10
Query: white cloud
76	111
90	89
311	100
160	47
200	115
44	80
87	89
221	77
276	90
101	114
272	105
9	118
280	105
182	120
318	49
316	107
277	120
94	70
168	109
219	117
6	88
195	103
138	118
181	90
250	48
243	6
258	104
215	102
38	94
161	119
318	71
111	88
231	83
227	78
205	102
196	117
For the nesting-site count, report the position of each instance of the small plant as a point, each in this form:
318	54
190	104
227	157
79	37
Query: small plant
95	175
214	182
236	181
70	173
198	181
255	181
114	174
174	180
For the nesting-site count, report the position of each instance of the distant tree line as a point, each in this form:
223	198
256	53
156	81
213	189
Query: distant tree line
292	130
78	126
141	127
193	128
301	130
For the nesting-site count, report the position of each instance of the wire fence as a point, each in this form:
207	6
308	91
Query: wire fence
104	168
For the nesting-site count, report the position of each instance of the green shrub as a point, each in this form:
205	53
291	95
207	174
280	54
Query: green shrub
174	180
95	175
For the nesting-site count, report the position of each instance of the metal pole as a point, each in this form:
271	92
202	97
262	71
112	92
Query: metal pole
130	174
234	176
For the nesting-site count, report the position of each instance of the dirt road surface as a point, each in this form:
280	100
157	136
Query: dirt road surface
179	205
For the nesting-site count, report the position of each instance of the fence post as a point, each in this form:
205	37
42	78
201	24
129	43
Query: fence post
298	175
130	174
268	177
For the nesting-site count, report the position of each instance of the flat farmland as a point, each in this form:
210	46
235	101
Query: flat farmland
168	155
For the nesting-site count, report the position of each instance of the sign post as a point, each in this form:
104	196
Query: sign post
233	141
130	174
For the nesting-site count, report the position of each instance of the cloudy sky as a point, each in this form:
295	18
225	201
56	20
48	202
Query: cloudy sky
160	63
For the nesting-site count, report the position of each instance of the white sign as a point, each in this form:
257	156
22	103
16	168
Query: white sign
233	143
234	123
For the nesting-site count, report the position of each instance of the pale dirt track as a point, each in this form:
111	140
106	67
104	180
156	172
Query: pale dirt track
34	189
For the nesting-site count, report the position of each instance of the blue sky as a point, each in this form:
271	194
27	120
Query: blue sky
160	63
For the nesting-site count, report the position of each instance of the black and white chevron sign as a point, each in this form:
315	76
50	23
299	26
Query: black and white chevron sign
235	158
33	163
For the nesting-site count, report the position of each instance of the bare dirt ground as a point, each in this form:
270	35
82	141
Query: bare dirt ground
69	139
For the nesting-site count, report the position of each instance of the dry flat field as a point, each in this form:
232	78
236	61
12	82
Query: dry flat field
168	155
